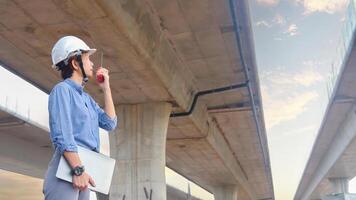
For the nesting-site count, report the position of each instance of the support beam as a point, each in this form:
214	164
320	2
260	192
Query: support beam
139	146
340	185
226	192
152	46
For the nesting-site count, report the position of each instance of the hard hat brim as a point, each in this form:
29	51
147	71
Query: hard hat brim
91	51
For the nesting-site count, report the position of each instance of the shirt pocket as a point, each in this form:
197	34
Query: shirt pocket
80	116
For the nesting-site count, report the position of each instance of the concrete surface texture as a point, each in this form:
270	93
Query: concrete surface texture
161	51
139	148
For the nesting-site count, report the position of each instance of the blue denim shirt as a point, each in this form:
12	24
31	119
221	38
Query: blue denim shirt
75	118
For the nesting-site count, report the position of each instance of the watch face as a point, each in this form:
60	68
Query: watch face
78	170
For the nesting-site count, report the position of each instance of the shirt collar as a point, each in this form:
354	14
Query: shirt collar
75	85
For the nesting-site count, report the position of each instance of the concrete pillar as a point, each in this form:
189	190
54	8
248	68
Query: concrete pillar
225	192
139	146
340	185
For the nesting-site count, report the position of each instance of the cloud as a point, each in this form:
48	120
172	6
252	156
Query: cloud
282	110
263	23
328	6
287	94
279	19
292	30
268	2
302	78
308	77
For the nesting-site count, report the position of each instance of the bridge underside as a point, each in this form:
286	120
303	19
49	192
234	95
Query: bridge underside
159	51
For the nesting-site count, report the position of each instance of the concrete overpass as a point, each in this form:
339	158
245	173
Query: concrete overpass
184	80
332	162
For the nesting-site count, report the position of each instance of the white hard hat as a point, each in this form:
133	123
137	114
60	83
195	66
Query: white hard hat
66	47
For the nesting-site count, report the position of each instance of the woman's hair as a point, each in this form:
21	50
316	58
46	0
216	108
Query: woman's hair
66	70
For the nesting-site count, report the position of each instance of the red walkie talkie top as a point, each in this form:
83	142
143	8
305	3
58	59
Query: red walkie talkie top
100	77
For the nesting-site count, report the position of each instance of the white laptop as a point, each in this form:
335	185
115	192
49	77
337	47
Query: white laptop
99	166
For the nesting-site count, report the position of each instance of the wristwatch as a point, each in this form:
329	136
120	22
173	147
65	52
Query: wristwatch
78	170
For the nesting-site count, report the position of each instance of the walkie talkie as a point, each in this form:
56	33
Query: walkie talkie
100	77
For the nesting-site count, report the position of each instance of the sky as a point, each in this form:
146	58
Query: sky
295	42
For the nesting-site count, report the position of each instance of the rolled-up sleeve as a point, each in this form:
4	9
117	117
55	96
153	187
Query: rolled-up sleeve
60	120
105	122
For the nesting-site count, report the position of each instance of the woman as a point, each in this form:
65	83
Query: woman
75	118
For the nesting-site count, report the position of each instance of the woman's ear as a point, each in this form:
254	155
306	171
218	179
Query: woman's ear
75	64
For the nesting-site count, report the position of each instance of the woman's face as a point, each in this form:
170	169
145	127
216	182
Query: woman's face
88	65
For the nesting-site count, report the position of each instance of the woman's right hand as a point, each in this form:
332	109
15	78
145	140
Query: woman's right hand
82	182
